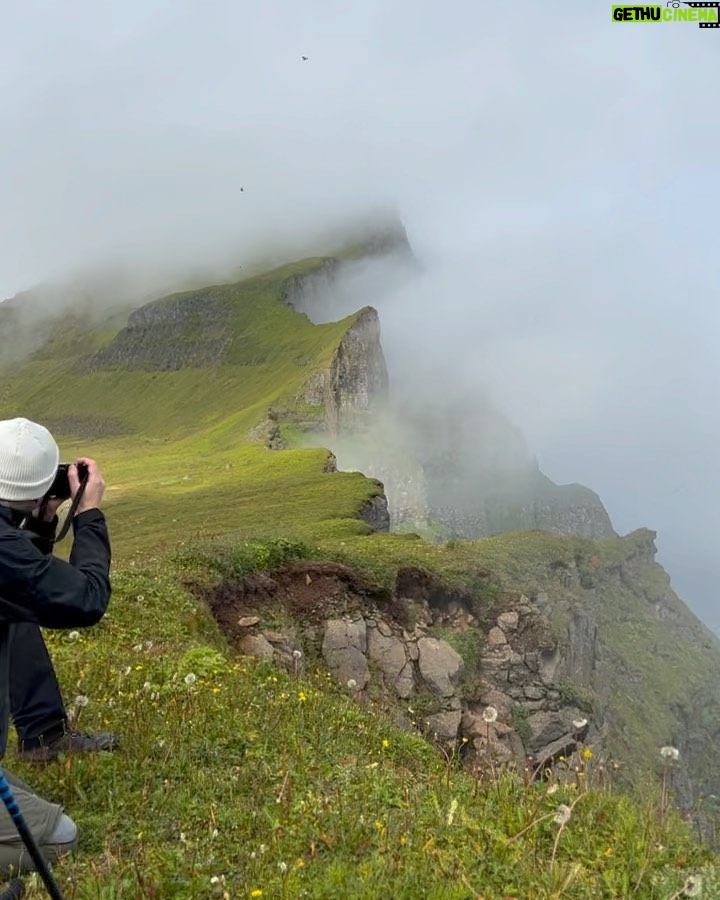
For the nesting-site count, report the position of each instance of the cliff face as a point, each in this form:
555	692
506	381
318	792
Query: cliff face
453	462
576	631
355	383
183	331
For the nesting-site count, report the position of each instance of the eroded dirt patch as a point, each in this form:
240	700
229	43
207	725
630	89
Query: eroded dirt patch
311	592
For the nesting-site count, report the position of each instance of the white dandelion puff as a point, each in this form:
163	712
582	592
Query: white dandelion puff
351	684
81	700
562	814
190	678
74	636
489	714
579	724
693	886
670	753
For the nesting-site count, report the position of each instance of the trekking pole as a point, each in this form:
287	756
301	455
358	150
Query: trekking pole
40	862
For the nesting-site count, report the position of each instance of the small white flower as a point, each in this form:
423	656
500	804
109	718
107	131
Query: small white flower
81	700
553	789
490	714
190	678
140	597
213	834
147	686
217	879
137	648
579	724
283	867
74	636
562	814
670	753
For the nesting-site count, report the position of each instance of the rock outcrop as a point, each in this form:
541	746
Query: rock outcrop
355	382
510	677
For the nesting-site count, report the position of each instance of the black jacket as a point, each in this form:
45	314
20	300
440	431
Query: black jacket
36	586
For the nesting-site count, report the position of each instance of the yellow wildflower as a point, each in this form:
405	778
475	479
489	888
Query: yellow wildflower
302	696
587	753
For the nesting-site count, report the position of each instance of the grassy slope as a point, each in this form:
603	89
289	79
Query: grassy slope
267	761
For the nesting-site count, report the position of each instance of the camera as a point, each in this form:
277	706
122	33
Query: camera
60	488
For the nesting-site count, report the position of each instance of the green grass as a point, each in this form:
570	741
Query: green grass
269	782
284	785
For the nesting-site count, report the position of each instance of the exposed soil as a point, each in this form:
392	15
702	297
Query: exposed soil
312	592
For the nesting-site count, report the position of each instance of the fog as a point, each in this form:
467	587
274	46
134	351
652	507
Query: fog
555	172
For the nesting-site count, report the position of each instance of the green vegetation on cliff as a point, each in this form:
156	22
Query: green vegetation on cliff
240	780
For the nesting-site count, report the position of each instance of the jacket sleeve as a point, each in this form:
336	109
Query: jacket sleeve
42	534
36	587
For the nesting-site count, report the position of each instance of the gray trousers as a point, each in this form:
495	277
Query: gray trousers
42	819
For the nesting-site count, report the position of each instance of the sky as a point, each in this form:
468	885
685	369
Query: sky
556	173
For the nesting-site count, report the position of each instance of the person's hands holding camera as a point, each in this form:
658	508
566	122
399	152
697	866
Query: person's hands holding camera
94	485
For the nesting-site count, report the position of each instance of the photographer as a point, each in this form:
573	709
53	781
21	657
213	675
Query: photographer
38	589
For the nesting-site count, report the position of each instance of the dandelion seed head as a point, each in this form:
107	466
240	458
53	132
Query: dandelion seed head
670	753
562	814
693	886
297	654
490	714
351	684
137	648
283	867
190	678
81	700
74	636
579	724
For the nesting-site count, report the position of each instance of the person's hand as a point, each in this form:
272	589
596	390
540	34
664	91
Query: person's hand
94	487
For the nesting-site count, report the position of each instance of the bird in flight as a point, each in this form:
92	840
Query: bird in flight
305	58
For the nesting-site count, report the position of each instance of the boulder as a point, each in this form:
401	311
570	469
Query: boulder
343	648
440	666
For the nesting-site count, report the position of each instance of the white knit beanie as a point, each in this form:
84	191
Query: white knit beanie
29	459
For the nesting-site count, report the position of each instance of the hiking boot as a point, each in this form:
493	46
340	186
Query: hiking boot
67	742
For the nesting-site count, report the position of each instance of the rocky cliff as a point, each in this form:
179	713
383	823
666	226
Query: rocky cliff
355	382
452	460
566	646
